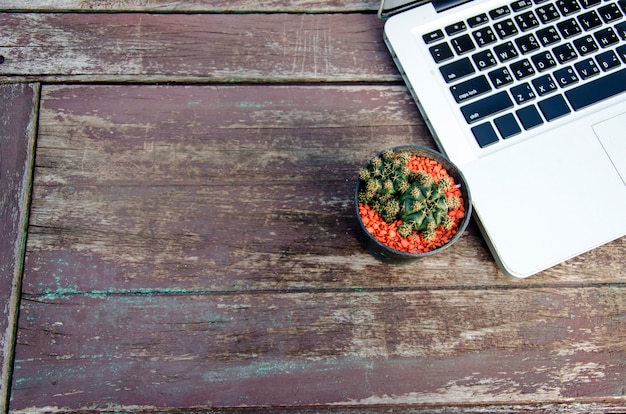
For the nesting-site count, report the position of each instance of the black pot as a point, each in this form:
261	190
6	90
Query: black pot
386	253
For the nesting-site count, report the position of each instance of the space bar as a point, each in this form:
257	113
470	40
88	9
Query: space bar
598	90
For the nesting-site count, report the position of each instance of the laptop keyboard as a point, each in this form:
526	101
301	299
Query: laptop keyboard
528	63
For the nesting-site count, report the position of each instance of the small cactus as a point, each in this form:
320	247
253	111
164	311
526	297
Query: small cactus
394	191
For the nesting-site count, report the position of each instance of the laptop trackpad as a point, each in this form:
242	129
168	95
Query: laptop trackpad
613	138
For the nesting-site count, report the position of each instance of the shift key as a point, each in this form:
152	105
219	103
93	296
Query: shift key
485	107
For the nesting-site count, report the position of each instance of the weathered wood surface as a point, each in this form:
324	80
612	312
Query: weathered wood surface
199	48
194	247
188	6
274	349
18	105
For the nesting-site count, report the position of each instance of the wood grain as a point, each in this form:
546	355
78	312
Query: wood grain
139	47
17	137
231	188
414	348
189	6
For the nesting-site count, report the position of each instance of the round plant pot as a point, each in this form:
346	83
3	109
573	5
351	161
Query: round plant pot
390	255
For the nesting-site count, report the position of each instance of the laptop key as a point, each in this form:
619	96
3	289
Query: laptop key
507	126
470	88
478	20
485	107
565	76
526	21
597	90
529	117
505	51
606	37
569	28
621	29
484	36
455	28
527	43
521	5
587	68
590	3
585	45
432	37
505	28
522	93
608	60
441	52
548	35
500	77
610	13
565	52
500	12
463	44
621	51
484	59
544	85
547	13
554	107
522	69
589	20
457	70
485	134
543	61
568	7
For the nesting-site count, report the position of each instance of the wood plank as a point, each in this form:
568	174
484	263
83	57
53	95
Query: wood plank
192	6
234	188
139	47
368	348
17	134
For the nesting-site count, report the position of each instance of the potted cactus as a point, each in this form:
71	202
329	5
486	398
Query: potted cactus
410	202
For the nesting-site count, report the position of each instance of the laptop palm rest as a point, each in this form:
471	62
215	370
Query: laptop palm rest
542	206
613	138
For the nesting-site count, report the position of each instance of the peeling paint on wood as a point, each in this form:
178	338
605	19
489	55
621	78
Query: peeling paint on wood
18	105
212	48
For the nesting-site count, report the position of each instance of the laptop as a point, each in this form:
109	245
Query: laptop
528	98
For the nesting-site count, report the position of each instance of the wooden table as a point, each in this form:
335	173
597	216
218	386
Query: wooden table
189	241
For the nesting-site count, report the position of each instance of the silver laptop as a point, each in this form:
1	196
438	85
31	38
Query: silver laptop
528	98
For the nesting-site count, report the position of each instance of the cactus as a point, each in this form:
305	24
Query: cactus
396	192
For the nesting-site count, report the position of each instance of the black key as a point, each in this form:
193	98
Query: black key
505	28
527	43
505	51
543	61
507	126
477	20
587	68
432	37
526	21
589	20
500	77
548	36
470	88
621	29
568	7
621	51
547	13
589	3
457	70
522	69
606	37
554	107
622	4
500	12
544	85
463	44
568	28
565	52
484	134
585	45
529	117
455	28
441	52
607	60
565	76
522	93
521	5
484	59
484	36
610	13
540	1
485	107
597	90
